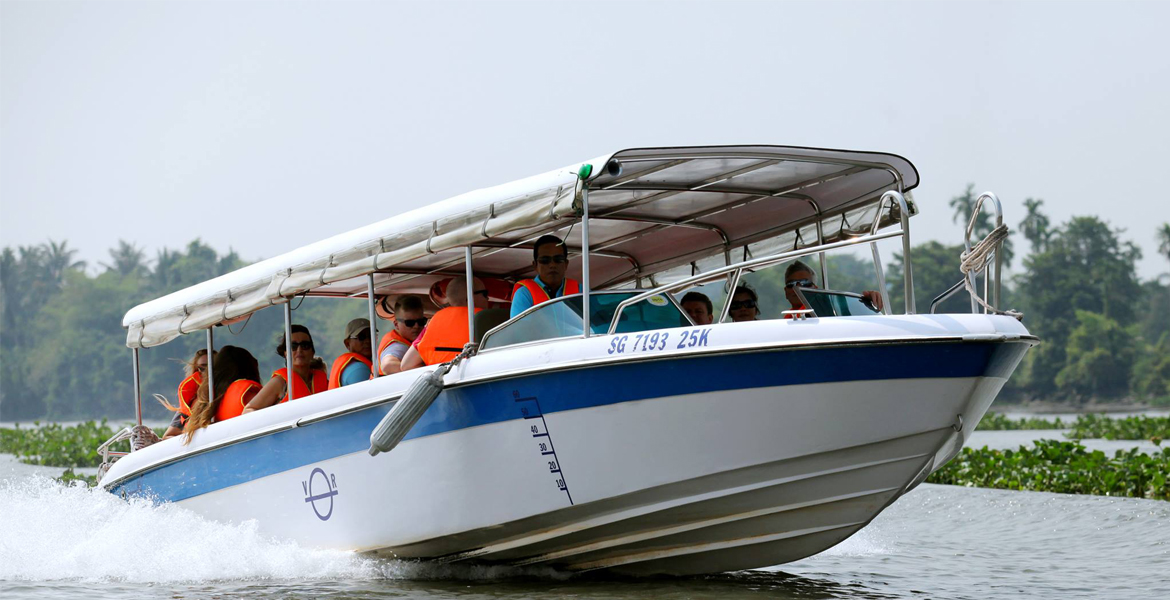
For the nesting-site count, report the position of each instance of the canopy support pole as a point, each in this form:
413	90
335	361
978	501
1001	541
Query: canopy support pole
288	349
138	391
210	365
375	369
585	260
821	256
470	294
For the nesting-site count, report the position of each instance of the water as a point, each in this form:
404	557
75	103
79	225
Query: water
936	542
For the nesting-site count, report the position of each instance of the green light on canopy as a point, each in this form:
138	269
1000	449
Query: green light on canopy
585	171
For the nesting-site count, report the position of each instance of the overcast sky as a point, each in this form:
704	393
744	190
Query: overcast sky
269	125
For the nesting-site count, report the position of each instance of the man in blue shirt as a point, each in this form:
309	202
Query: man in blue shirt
550	258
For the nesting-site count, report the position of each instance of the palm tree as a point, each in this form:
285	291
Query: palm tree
127	259
1035	225
59	260
164	269
1164	240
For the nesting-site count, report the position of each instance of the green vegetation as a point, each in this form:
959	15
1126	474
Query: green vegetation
1061	467
1140	427
999	422
56	445
69	477
1106	334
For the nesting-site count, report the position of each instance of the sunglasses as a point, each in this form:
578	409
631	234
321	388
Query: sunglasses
548	260
744	304
483	293
414	322
799	283
305	345
364	336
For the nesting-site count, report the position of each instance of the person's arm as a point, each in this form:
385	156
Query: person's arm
272	392
874	298
521	301
391	359
412	359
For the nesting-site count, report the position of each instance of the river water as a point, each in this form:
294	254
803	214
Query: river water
936	542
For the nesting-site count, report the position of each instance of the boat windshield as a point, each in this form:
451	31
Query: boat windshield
829	303
561	317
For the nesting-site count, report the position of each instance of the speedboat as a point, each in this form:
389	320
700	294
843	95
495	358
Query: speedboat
621	437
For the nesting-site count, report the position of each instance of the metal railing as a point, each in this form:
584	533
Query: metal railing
992	279
736	270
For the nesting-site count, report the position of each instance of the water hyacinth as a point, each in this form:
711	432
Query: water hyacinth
1061	467
1140	427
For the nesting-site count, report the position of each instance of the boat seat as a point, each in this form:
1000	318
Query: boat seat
488	319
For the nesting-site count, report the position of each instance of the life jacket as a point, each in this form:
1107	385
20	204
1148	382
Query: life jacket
391	337
186	393
341	363
539	295
236	398
320	384
801	307
446	334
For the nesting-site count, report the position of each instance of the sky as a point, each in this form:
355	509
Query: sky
265	126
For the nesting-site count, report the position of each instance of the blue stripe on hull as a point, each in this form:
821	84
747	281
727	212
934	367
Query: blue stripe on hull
492	402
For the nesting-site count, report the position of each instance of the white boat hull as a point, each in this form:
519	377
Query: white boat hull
747	452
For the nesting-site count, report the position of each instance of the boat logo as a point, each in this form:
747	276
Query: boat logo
657	300
319	491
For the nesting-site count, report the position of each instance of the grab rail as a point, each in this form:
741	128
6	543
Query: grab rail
109	457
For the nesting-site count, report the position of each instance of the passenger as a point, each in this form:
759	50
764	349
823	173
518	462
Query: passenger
353	366
550	257
799	274
310	371
237	378
194	370
698	306
745	305
447	332
408	324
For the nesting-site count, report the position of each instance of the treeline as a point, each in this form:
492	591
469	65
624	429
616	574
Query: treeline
1106	333
63	353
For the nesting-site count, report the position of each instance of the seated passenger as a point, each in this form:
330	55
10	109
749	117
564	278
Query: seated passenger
310	373
745	305
447	332
550	257
355	365
698	306
237	377
799	274
194	371
408	324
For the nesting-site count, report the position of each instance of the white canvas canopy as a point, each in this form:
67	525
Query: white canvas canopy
651	210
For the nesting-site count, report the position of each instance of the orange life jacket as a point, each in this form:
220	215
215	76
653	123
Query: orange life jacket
188	389
341	363
538	293
320	384
236	398
801	307
446	334
391	337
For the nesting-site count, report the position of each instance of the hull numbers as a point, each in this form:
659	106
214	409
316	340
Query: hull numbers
657	341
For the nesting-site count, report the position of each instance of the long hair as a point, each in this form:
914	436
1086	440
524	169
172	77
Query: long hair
189	367
231	364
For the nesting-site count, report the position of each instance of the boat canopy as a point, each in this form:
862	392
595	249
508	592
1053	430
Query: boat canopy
654	213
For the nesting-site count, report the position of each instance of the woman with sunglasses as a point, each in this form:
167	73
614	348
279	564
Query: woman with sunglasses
744	305
236	382
310	373
188	388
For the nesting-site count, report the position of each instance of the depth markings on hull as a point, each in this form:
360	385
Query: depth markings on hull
538	428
